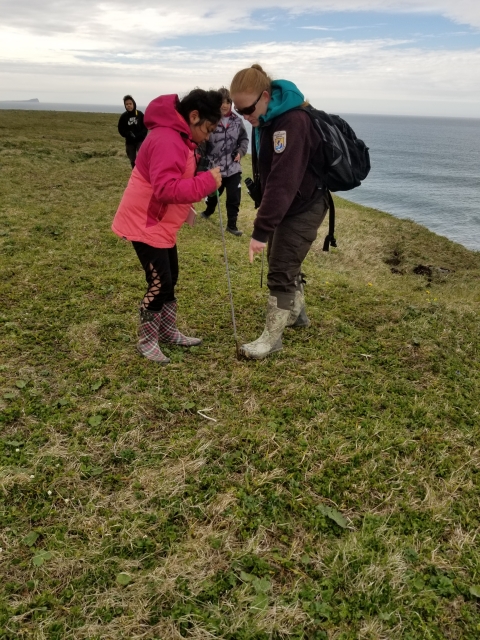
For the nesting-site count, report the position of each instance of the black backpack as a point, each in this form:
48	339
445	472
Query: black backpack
344	162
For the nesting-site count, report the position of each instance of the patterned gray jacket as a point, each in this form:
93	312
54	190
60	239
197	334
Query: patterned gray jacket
226	141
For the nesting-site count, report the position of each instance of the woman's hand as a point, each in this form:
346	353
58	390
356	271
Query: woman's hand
217	176
237	158
255	247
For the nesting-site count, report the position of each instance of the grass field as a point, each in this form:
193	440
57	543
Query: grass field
334	491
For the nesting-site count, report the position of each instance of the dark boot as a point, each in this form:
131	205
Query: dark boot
167	330
148	336
271	338
210	207
232	228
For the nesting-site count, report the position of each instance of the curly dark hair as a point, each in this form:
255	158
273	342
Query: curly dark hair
207	103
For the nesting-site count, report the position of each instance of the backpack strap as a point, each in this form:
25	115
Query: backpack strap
330	238
255	172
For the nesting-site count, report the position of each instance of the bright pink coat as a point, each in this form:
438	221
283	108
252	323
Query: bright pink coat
163	184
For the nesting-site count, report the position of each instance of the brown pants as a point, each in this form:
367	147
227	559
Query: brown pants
288	247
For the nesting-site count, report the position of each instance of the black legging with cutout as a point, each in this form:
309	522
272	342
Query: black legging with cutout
161	273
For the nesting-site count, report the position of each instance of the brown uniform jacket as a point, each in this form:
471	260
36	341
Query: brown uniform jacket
288	184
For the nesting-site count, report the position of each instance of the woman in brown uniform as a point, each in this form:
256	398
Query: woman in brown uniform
292	205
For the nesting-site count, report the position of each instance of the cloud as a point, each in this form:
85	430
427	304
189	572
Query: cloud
372	76
165	19
94	52
334	29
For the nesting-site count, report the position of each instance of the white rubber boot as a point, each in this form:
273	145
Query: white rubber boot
298	316
271	339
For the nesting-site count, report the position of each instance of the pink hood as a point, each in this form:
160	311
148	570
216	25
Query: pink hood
161	112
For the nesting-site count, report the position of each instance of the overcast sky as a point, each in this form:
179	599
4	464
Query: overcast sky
407	57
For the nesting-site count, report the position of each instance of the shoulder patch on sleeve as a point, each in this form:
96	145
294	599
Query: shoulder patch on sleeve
279	141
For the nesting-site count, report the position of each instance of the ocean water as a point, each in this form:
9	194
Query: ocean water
423	169
61	106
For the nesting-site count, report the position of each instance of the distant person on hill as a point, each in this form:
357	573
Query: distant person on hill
158	200
292	207
131	127
225	148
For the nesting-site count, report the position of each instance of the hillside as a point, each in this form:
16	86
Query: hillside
330	491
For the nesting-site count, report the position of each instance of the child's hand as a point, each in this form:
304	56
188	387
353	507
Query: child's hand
217	176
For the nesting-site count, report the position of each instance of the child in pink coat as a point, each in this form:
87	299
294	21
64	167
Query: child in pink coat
158	200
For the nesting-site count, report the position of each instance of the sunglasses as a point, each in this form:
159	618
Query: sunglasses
248	110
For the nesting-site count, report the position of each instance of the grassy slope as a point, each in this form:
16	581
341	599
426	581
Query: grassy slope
225	529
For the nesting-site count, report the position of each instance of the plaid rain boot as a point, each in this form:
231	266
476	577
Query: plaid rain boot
147	343
168	332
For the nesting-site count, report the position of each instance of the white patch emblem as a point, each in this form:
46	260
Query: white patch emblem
279	141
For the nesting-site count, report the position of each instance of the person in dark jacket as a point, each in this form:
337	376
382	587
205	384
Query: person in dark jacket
225	148
292	205
131	127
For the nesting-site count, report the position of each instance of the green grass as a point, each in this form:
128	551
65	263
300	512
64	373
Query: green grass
333	495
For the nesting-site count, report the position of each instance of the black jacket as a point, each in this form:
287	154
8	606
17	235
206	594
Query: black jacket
131	127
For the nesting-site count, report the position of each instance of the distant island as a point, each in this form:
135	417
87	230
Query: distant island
8	101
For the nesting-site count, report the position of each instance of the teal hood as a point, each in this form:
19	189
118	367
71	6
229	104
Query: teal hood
285	96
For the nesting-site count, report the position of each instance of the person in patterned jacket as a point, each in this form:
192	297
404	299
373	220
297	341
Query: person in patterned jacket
225	148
